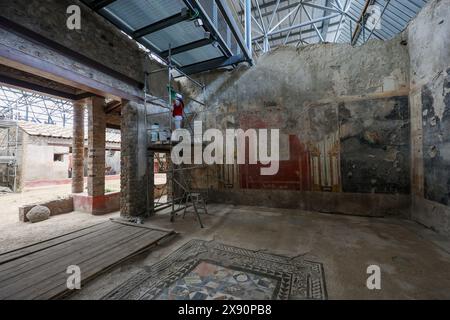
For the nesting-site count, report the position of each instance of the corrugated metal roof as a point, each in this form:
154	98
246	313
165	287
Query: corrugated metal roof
138	13
201	34
395	15
53	131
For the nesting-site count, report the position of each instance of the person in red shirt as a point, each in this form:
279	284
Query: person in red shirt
177	113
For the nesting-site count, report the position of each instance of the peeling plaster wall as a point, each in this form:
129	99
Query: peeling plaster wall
343	115
429	50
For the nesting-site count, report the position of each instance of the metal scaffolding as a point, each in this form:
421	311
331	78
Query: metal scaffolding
20	105
181	194
9	148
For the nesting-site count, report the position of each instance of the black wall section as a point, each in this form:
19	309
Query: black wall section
375	152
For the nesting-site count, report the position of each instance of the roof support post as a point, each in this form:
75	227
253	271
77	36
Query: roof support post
248	25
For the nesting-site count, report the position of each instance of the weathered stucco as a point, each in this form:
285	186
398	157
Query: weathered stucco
343	115
40	164
429	51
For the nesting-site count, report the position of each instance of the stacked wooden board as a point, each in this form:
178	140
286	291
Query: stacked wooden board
39	271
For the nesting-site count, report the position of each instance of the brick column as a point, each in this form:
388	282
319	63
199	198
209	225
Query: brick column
96	146
78	148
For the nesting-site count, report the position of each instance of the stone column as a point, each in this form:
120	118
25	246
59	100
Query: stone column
96	147
78	148
136	175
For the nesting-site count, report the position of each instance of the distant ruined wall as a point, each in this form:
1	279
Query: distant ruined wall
429	51
40	161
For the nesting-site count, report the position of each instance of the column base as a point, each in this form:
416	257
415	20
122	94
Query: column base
98	205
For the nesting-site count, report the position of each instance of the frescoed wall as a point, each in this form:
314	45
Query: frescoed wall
436	138
375	146
342	113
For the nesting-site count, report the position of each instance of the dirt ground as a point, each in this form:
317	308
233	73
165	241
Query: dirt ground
15	234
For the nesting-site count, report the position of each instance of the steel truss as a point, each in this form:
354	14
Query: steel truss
16	104
19	105
270	23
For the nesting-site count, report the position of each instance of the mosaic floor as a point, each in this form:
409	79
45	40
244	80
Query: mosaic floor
201	270
210	281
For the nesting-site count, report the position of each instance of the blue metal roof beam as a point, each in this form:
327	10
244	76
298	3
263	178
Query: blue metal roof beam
226	12
212	64
162	24
187	47
209	26
100	4
193	10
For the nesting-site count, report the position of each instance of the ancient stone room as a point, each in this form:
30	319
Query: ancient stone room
224	150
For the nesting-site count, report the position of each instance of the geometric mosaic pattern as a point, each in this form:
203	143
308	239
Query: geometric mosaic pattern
202	270
209	281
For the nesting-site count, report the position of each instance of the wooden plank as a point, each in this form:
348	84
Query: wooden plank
22	259
149	227
81	251
35	247
106	263
53	239
39	272
53	253
91	267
